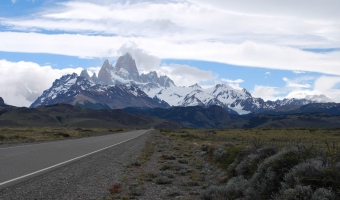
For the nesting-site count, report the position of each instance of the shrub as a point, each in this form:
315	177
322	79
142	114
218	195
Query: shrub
172	191
317	172
227	156
248	165
298	193
322	193
115	188
136	191
183	161
167	174
165	167
234	189
168	157
269	174
2	137
161	180
306	173
214	192
66	135
136	163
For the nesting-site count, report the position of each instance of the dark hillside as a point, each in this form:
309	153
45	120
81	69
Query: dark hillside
194	116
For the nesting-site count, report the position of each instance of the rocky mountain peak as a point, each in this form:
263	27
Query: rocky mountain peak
196	86
85	74
126	67
246	91
2	102
104	74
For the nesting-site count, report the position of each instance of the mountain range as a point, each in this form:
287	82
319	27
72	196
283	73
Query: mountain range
122	86
316	115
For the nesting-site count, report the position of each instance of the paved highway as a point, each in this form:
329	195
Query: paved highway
20	163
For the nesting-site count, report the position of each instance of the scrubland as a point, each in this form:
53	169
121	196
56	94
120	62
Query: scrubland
234	164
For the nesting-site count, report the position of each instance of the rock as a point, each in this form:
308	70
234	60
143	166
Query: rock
126	67
85	74
104	74
2	102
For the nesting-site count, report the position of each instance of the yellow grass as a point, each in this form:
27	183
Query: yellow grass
246	137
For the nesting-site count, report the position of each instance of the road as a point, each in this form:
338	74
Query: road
20	163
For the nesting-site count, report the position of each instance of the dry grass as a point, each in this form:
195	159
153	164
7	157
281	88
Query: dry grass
16	135
321	138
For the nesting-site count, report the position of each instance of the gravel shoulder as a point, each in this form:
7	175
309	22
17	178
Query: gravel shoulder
88	178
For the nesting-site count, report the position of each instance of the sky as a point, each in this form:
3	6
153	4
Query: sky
275	49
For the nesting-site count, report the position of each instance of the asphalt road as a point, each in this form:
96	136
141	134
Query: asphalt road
20	163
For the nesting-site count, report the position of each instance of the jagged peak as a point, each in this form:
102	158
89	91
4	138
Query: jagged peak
196	86
94	75
106	63
246	91
224	86
84	73
127	62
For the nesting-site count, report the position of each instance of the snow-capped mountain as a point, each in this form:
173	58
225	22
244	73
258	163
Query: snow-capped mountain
122	86
78	90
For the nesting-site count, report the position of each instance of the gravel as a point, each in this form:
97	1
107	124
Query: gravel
88	178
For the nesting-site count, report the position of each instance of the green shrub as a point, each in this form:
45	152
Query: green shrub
249	164
267	178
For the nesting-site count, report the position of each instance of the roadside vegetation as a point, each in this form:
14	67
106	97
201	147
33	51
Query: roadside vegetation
18	135
235	164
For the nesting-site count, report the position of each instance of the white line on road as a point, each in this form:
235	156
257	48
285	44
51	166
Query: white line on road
36	172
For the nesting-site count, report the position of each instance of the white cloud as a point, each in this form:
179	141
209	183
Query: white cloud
268	73
144	61
245	54
184	75
267	92
23	82
298	72
299	88
14	1
233	83
196	20
301	82
266	35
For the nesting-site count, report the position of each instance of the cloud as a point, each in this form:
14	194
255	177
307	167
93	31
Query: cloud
301	82
144	61
298	72
269	36
267	73
184	75
301	87
194	20
245	54
14	1
233	83
267	92
25	81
